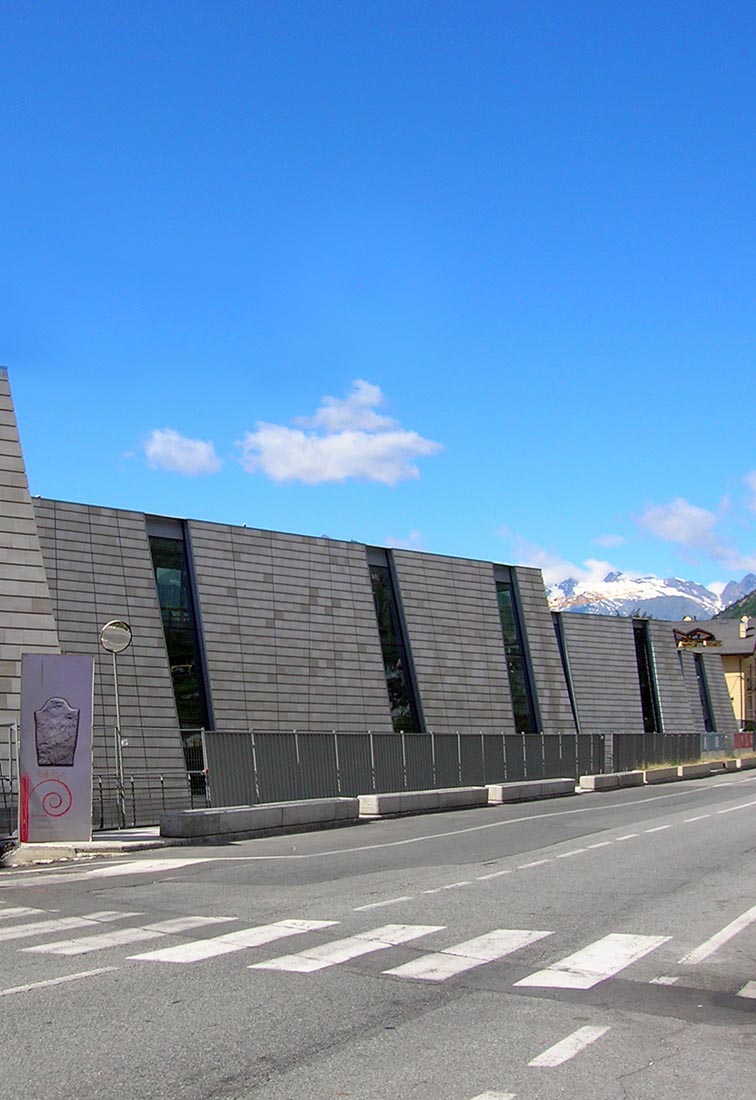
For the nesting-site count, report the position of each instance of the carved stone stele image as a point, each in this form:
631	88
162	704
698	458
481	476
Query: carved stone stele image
56	730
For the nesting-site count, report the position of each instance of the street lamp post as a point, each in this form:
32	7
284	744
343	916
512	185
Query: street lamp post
115	637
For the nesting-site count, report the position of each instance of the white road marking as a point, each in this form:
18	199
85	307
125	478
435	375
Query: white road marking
534	863
20	911
700	817
380	904
134	867
60	924
627	836
658	829
494	1096
566	1049
233	941
732	809
142	867
574	852
440	965
664	980
495	874
708	947
748	990
456	885
117	938
601	844
329	954
595	963
56	981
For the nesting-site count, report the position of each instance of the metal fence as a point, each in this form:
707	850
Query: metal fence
636	750
143	797
8	780
243	768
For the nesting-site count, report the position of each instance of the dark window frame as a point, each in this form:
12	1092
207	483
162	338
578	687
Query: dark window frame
398	667
646	668
522	691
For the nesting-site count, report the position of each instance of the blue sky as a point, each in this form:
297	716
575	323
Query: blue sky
471	278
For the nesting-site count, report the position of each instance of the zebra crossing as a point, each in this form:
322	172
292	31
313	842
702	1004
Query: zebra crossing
580	970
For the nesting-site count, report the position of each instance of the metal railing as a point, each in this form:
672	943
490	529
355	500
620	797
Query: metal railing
8	780
144	796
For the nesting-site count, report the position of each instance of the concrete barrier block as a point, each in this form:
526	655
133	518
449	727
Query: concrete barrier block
398	802
190	823
731	764
747	761
314	810
529	789
695	771
631	779
462	796
599	782
660	775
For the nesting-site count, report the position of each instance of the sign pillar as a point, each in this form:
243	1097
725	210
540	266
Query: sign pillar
55	748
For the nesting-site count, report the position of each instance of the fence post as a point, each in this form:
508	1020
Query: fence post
205	768
102	805
543	753
483	757
338	763
433	759
404	761
459	759
524	755
133	801
255	777
372	761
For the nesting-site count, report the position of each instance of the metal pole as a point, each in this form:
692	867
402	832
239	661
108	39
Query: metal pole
119	749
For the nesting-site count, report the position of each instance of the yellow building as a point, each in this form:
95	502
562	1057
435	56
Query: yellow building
735	641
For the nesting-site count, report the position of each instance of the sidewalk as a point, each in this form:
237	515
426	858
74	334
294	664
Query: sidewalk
109	842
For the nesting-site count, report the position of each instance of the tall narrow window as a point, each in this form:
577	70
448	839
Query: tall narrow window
175	596
646	677
396	663
703	691
562	645
520	683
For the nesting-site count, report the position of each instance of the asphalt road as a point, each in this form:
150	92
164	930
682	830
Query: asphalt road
602	946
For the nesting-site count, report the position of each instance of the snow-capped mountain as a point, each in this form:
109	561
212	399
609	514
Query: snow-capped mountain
620	594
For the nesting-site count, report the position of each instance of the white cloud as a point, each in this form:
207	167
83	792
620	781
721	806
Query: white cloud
717	587
681	522
609	540
354	412
413	541
167	449
349	439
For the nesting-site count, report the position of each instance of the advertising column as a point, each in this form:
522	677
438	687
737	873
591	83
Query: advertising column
55	748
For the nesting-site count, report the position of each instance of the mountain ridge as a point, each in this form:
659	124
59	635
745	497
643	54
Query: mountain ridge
654	597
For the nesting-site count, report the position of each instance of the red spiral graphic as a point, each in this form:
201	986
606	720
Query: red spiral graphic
55	803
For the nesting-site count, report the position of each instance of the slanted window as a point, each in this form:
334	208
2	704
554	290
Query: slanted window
518	667
703	691
647	677
175	596
394	647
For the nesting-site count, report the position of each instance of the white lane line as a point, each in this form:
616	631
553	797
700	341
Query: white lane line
135	867
380	904
56	981
627	836
456	885
233	941
117	938
566	1049
495	874
699	817
658	829
60	924
601	844
440	965
748	990
574	852
733	809
20	911
142	867
534	863
595	963
664	980
708	947
329	954
494	1096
